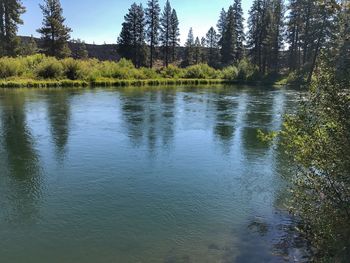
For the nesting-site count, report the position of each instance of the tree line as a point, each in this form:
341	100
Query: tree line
279	35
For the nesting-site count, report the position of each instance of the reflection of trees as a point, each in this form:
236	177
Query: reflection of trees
149	117
21	158
259	115
224	128
58	106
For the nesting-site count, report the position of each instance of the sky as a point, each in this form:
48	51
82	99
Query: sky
99	21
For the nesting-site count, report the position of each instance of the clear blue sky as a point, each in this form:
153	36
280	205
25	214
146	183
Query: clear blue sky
100	21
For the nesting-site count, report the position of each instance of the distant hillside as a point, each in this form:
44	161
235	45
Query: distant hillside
101	52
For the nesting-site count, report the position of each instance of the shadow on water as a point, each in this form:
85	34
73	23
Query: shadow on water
149	117
58	107
21	161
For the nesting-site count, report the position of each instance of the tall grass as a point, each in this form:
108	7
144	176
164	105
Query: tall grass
38	69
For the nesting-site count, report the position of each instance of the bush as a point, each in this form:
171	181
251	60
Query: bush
10	67
172	72
72	69
229	73
49	68
200	71
316	138
148	73
246	70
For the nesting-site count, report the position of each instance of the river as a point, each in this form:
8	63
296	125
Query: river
152	174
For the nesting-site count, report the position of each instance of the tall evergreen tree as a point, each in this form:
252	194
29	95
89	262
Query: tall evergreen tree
10	18
152	22
174	34
189	49
197	51
239	29
131	42
265	34
221	25
204	51
212	43
257	32
276	33
165	22
229	39
309	29
54	33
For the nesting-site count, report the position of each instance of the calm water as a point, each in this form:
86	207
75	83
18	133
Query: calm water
141	175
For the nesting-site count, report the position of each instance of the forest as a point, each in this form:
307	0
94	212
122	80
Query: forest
286	42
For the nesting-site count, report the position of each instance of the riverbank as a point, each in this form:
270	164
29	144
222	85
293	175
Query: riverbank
39	71
66	83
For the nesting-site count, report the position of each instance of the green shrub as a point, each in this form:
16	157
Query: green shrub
10	67
72	69
229	73
50	68
147	73
171	72
200	71
246	70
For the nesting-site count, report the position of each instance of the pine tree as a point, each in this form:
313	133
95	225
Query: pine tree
54	33
221	25
131	42
212	43
204	51
309	30
239	29
197	51
152	22
276	32
259	36
229	39
174	34
10	18
189	49
165	22
299	32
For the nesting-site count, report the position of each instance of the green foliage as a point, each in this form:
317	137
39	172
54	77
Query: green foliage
171	72
10	18
54	33
247	71
10	67
73	69
201	71
317	139
50	68
230	73
42	67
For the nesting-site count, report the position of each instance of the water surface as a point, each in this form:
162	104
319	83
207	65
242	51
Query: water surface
141	175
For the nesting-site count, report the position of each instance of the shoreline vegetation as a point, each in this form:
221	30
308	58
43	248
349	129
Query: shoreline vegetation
40	71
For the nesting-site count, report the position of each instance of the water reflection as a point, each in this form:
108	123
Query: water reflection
58	107
259	115
149	117
226	111
21	160
187	203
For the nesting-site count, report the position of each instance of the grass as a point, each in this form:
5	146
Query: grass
39	71
108	82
